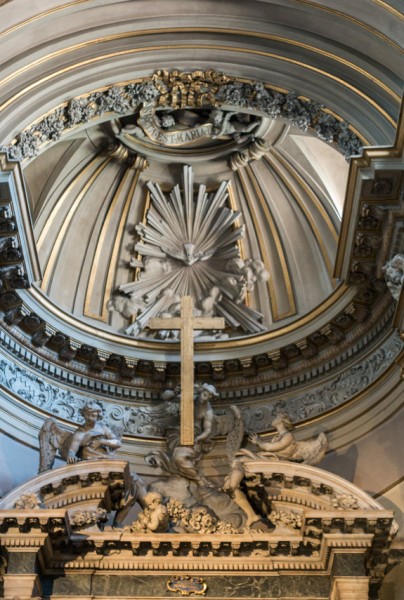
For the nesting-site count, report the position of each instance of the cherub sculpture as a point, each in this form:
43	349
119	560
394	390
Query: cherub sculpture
93	439
284	446
394	275
154	517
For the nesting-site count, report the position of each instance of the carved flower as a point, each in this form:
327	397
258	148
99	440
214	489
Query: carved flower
27	502
344	502
290	519
85	518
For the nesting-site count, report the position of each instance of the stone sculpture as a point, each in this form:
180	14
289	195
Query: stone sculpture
394	275
87	518
91	440
176	89
189	242
284	446
167	127
154	518
183	460
185	501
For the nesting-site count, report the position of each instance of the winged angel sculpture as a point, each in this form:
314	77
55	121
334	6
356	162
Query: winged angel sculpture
284	446
93	439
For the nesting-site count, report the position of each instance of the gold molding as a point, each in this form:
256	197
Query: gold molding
301	181
347	17
60	237
220	48
264	257
279	247
389	8
388	488
59	203
238	32
38	295
118	239
277	316
314	5
99	247
309	218
40	16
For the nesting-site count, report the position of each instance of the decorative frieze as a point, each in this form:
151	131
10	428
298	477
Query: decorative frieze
141	420
177	89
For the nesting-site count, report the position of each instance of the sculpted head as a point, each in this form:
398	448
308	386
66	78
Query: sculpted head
216	116
91	412
152	499
283	418
207	392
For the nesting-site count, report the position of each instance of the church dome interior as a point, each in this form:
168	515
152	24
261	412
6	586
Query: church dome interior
249	157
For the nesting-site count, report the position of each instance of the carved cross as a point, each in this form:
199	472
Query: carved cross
186	323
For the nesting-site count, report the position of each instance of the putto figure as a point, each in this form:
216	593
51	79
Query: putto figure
91	440
394	275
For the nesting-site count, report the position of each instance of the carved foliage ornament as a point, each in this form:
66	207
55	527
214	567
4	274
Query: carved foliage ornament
177	89
143	421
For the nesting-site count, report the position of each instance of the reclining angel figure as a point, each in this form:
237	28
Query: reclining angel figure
284	446
91	440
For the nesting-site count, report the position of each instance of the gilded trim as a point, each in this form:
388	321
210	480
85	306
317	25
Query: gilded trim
279	247
389	8
48	226
390	487
220	48
66	223
100	246
39	296
300	180
118	242
353	20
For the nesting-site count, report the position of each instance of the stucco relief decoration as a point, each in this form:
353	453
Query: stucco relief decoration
394	275
186	111
227	103
86	518
144	420
91	440
28	502
189	247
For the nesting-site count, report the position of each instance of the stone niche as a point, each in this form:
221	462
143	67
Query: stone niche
327	540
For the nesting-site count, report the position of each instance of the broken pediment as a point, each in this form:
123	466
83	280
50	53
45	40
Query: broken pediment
319	526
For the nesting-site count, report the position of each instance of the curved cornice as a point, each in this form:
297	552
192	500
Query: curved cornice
280	36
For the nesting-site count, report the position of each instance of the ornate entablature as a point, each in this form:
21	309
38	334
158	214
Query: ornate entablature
19	265
136	418
321	526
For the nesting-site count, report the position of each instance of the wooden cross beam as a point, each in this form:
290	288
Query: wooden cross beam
186	323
